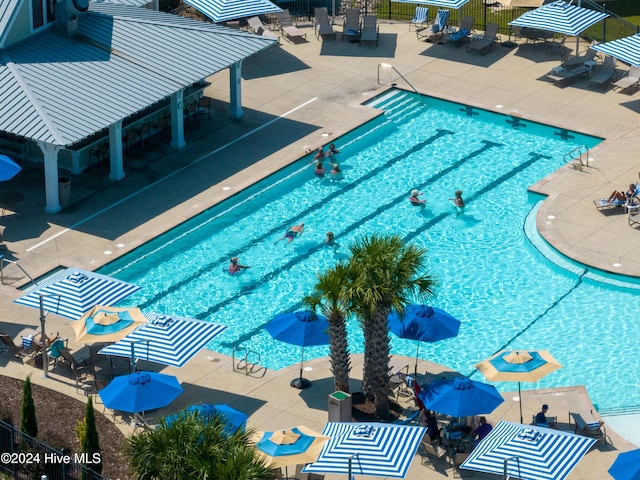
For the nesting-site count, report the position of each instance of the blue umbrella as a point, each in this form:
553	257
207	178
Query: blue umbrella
380	449
559	17
424	324
234	420
304	329
626	466
626	49
293	446
73	292
527	452
8	168
166	339
224	10
460	397
140	391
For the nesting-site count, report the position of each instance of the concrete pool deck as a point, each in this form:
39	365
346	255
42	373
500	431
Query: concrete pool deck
292	95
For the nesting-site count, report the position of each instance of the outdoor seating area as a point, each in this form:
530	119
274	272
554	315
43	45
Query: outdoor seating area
483	44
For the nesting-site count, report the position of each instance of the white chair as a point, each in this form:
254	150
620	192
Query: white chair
420	17
322	24
370	29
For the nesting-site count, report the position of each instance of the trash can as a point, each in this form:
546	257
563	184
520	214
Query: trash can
64	190
339	407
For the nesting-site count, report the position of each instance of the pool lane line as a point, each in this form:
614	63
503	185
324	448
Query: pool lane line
212	265
234	207
170	175
534	157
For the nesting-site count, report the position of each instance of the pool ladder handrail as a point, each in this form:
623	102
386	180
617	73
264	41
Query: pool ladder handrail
386	65
4	261
579	157
244	365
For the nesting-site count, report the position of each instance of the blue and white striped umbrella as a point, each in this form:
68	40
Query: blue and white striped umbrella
559	17
73	292
532	453
437	3
379	449
165	339
224	10
625	49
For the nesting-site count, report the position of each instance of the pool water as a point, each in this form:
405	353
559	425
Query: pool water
489	274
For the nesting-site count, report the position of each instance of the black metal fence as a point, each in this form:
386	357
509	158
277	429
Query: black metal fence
26	458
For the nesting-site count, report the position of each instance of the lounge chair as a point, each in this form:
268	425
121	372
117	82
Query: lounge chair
435	31
289	30
579	60
564	76
434	455
631	79
604	203
2	244
370	29
258	28
605	75
82	372
9	345
351	21
484	43
322	24
421	17
587	425
466	29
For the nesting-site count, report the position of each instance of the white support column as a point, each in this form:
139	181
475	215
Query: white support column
116	164
235	90
52	195
75	162
177	120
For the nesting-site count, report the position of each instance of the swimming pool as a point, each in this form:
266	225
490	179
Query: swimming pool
490	276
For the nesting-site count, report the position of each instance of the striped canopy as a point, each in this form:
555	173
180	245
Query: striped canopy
169	340
378	449
625	49
559	17
531	453
437	3
224	10
73	292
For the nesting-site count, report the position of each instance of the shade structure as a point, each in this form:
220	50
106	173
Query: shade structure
166	339
225	10
460	397
437	3
292	446
304	329
234	419
518	366
559	17
625	49
378	449
73	292
527	452
626	466
107	324
424	324
140	391
8	168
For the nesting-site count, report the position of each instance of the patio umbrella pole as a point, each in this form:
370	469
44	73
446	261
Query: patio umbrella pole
300	382
520	399
415	371
43	339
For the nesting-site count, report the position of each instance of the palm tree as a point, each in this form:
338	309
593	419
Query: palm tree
389	277
329	296
191	447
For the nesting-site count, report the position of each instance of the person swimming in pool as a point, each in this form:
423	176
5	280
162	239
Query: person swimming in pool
235	266
319	155
457	200
320	170
332	150
415	198
335	172
292	232
330	238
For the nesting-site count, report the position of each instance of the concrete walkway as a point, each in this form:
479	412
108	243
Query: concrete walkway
296	97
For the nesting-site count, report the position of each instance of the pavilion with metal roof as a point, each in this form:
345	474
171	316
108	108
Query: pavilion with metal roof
93	68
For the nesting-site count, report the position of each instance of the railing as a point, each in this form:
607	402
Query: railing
30	458
248	362
579	157
387	66
4	261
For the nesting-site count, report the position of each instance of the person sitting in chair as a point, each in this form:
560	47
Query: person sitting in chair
483	429
428	419
541	418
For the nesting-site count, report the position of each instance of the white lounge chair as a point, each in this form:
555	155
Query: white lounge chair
436	30
421	17
631	79
484	43
322	24
258	28
289	30
605	75
370	29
